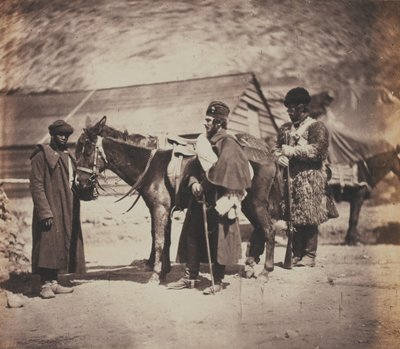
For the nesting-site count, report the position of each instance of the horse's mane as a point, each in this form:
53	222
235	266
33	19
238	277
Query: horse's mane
135	146
134	138
382	156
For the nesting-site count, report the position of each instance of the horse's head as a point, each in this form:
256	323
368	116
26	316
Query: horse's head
319	103
396	162
90	156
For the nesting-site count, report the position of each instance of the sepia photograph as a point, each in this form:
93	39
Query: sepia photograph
199	174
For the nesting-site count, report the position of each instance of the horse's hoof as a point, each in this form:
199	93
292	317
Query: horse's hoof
154	279
163	279
351	242
263	277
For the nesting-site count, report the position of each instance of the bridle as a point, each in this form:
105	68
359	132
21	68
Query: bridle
98	153
94	171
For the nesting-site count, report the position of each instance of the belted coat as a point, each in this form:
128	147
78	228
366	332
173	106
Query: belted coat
61	247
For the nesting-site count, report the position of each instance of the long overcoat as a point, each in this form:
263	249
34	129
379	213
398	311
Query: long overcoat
311	202
231	172
61	247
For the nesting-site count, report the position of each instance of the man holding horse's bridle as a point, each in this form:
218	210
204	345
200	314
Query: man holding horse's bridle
57	244
305	154
217	178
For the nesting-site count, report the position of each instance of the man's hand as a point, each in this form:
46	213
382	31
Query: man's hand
287	150
283	161
197	189
47	223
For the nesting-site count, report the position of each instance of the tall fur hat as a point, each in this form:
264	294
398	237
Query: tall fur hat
218	109
60	127
296	96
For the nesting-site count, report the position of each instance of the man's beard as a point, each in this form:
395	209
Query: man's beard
211	132
297	119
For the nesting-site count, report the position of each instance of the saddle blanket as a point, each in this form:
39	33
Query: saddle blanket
345	175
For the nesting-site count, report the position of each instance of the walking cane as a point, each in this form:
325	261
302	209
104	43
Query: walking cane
207	241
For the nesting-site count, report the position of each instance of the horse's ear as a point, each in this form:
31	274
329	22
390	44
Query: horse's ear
99	126
88	121
102	123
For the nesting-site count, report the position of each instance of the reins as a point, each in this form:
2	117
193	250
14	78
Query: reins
139	181
94	171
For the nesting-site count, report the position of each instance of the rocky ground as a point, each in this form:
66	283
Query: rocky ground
349	300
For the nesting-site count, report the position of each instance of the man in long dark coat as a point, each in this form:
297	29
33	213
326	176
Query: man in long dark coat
57	245
306	154
227	178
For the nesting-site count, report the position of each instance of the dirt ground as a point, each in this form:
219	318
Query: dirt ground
349	300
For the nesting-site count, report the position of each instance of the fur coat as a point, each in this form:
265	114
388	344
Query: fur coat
311	202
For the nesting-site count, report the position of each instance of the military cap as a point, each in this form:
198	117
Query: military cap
296	96
60	127
218	109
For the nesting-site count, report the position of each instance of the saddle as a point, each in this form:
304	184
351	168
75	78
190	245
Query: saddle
183	149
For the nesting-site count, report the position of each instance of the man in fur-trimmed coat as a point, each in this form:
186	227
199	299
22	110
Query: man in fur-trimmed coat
305	153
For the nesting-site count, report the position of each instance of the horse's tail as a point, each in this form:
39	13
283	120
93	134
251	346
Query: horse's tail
275	196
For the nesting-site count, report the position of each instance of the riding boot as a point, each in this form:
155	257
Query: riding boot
187	281
311	243
298	243
218	272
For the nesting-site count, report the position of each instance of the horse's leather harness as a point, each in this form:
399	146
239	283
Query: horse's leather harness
94	171
98	151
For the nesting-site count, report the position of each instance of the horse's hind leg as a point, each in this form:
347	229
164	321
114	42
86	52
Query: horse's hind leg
355	209
263	235
255	245
159	224
166	261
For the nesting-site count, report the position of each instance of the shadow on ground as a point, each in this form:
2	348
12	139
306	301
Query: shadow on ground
388	234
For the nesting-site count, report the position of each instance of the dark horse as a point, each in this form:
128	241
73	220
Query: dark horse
100	147
377	167
373	167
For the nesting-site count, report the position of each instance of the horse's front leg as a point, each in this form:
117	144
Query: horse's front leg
159	224
150	262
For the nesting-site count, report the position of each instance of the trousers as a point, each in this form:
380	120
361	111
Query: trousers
305	241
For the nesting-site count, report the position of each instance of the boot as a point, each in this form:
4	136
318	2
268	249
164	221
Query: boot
296	260
306	261
46	291
182	283
187	281
58	289
210	290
